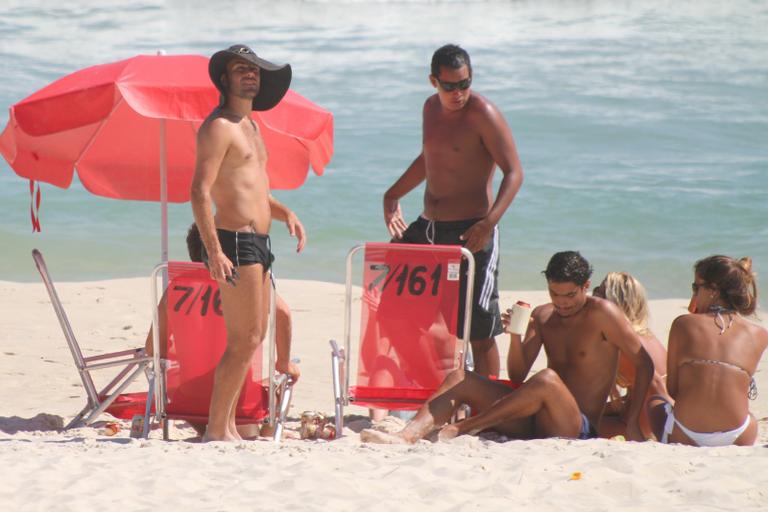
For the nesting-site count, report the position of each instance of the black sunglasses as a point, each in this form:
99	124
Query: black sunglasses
452	86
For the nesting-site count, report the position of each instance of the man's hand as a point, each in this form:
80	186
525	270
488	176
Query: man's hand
477	236
290	369
296	229
393	218
506	317
222	269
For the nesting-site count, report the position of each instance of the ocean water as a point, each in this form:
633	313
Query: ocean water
642	126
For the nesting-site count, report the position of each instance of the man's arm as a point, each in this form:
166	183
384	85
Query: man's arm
292	222
618	332
411	178
497	138
212	144
283	340
522	352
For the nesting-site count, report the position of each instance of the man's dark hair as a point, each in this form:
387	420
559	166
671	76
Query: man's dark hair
194	244
450	56
568	267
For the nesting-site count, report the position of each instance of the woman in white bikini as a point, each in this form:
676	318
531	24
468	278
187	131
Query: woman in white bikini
713	354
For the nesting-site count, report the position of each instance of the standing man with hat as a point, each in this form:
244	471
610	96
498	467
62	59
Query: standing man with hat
231	174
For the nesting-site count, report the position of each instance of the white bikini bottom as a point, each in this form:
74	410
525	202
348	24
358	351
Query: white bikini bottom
701	438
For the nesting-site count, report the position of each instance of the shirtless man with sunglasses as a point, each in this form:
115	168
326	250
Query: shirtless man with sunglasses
465	137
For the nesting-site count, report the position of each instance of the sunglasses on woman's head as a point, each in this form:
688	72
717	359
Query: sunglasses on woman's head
462	85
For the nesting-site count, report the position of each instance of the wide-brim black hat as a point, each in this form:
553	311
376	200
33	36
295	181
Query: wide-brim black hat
274	78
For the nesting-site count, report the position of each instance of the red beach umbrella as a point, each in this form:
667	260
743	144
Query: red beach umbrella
129	127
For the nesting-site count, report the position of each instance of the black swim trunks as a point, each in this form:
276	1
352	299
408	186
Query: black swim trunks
244	248
486	317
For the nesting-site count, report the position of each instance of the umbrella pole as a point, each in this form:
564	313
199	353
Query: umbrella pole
163	203
163	199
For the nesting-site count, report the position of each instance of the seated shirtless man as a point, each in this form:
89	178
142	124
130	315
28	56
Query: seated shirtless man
582	337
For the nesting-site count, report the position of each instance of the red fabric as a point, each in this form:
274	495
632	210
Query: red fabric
404	399
510	384
127	405
196	340
409	317
105	122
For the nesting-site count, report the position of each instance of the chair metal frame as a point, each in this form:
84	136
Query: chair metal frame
279	385
133	362
341	357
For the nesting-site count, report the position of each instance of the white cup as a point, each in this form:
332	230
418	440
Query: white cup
519	316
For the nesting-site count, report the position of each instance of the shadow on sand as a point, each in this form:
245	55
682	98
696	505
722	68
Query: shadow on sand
41	422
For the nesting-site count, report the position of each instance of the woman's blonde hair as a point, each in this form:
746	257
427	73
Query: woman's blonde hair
626	292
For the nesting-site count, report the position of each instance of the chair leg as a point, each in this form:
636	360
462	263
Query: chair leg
95	413
148	406
77	421
286	394
337	359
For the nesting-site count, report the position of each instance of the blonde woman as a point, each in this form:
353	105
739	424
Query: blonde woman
713	356
629	294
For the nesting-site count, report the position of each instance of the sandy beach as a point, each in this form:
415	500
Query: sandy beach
45	468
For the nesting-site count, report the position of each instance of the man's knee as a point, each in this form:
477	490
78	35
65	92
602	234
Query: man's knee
547	378
245	345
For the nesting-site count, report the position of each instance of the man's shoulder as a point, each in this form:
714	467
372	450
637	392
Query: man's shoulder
216	118
543	312
479	104
431	102
603	309
215	125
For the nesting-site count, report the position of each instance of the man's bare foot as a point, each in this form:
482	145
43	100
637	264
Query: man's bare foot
233	433
207	438
369	435
448	432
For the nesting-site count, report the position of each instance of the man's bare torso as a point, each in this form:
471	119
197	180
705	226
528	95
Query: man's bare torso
241	189
577	350
459	168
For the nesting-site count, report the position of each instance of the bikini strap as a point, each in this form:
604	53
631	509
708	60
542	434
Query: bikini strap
718	310
719	363
751	393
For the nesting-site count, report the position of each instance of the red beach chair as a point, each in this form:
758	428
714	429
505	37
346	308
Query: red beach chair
409	317
196	339
110	398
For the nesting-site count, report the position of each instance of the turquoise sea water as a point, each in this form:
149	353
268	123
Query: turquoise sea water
642	126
